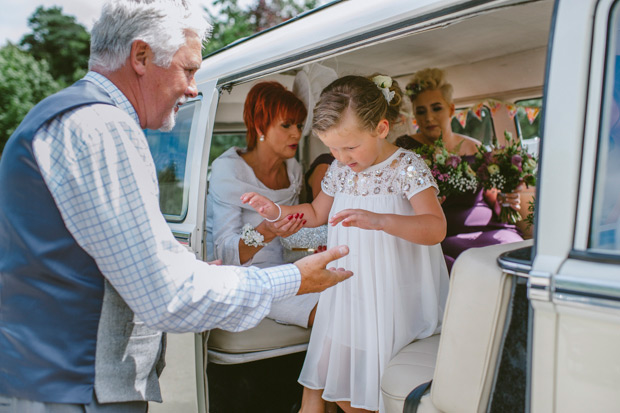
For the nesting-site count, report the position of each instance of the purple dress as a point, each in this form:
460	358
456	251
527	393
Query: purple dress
471	221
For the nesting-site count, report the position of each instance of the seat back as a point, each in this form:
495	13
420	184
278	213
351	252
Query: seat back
474	325
463	359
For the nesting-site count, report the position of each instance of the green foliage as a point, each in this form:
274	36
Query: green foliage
24	82
221	143
233	23
61	41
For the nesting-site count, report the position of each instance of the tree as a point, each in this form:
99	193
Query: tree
233	23
61	41
24	82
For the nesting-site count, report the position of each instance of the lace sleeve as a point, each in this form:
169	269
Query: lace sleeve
328	184
415	175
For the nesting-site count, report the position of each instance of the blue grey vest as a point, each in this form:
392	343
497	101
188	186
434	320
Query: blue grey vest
51	290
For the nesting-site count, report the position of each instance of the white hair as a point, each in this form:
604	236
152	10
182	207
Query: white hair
162	24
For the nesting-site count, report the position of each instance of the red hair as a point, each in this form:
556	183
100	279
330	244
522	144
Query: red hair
266	103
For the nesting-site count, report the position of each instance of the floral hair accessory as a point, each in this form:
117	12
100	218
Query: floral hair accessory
384	83
413	89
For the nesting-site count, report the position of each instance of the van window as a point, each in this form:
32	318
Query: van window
169	150
528	118
605	220
222	141
481	129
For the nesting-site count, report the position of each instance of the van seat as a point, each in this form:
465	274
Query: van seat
474	324
267	339
412	366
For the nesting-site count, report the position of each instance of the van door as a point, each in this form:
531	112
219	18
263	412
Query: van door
181	160
575	282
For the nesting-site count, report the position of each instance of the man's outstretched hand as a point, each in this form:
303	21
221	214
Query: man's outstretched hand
315	277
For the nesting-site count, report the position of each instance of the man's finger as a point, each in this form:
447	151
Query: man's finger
334	253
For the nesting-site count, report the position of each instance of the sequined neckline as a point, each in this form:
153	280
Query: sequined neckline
374	167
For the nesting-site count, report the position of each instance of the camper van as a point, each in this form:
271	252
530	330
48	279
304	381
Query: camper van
529	326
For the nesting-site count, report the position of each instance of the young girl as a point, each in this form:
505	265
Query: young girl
385	200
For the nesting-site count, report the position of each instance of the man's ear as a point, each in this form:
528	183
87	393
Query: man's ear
139	56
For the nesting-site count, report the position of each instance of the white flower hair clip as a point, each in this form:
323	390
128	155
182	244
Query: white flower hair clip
384	83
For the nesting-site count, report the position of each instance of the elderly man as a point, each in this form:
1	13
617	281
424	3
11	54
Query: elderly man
90	273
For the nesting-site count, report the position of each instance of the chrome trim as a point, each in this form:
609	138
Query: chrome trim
586	303
539	286
185	238
572	288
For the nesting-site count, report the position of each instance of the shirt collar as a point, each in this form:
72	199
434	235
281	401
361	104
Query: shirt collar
120	100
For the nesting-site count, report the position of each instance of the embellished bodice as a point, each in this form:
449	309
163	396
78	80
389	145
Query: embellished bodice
404	173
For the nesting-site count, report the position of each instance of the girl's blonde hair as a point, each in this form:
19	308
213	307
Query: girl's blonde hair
429	79
364	98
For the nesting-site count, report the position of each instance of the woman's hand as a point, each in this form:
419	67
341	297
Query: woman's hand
511	199
286	226
357	218
263	205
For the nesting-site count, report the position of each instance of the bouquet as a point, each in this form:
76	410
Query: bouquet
453	174
505	168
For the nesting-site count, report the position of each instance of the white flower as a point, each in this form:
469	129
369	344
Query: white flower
382	81
251	237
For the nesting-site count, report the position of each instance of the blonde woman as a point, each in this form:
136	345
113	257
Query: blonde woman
471	218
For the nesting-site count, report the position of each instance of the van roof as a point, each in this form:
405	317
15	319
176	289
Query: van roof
472	31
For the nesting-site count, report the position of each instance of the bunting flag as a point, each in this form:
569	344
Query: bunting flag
494	105
531	113
461	116
477	110
512	110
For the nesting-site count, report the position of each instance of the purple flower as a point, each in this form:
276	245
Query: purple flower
516	160
483	173
453	161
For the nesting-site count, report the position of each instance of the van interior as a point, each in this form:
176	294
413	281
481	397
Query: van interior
495	59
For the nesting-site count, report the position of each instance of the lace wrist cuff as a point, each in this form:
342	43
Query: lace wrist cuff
251	237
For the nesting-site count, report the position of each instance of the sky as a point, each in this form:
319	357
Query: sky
15	14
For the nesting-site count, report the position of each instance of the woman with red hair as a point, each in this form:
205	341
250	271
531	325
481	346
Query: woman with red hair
237	234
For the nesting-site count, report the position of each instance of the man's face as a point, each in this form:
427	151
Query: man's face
165	89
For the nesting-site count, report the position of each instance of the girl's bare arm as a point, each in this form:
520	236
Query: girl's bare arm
315	213
427	227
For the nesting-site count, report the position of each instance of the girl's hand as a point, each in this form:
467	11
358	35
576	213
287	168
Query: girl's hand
263	205
286	226
357	218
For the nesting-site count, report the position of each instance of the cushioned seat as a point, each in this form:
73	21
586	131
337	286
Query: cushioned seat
413	365
267	339
469	344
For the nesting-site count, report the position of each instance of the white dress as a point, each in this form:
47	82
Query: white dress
397	293
231	177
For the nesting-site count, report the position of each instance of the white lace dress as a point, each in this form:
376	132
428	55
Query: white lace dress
397	293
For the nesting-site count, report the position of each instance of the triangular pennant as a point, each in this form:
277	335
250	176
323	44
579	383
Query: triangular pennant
494	105
477	110
461	117
531	113
512	110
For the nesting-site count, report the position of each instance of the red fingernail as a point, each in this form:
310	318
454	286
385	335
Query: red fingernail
303	223
301	216
290	217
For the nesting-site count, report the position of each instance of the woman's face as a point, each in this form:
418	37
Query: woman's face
283	136
433	114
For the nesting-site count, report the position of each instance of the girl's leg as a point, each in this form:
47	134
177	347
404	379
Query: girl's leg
311	401
311	317
346	406
331	407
